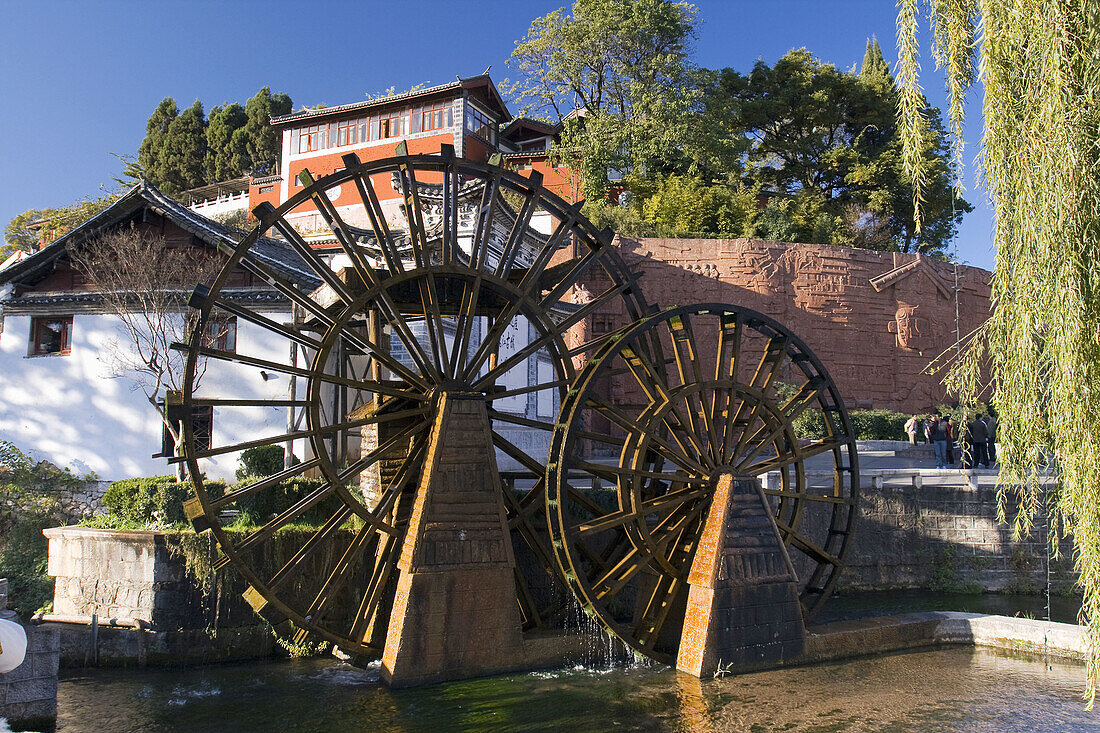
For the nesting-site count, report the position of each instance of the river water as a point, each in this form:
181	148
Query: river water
956	689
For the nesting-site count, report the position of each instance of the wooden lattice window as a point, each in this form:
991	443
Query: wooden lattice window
51	335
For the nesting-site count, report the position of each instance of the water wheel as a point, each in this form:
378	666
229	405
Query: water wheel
460	284
701	392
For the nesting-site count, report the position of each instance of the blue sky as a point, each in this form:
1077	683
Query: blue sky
78	80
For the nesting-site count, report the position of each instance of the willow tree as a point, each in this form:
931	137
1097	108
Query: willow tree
1039	68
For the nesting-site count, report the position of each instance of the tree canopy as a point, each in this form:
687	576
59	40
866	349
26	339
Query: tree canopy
623	66
27	230
830	139
817	148
183	150
1040	163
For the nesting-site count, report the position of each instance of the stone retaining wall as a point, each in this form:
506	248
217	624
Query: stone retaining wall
938	530
28	694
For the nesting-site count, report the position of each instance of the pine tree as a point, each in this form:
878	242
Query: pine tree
874	67
184	151
227	143
262	140
151	152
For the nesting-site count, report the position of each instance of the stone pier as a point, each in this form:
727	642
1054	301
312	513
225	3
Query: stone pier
455	612
742	610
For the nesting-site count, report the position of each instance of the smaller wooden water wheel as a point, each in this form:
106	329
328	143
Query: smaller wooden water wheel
699	392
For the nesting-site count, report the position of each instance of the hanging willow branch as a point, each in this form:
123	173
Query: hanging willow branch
1039	64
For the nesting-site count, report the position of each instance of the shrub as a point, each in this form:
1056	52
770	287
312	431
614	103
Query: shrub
23	554
879	424
262	505
867	424
31	499
263	460
156	500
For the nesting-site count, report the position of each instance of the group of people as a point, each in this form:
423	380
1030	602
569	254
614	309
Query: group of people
976	439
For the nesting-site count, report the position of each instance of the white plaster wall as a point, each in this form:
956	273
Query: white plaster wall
69	409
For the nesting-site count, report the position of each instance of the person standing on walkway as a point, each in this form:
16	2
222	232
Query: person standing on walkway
938	430
991	438
952	433
980	436
912	427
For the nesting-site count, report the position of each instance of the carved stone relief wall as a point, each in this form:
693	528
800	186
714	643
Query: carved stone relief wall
876	319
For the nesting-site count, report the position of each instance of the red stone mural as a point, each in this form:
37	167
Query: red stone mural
876	319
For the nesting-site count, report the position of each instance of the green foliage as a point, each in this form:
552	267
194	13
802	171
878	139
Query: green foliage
946	573
261	506
183	157
263	460
151	151
150	501
1041	168
626	221
624	63
683	204
825	145
879	424
227	143
26	230
183	150
262	141
29	502
698	148
866	424
23	553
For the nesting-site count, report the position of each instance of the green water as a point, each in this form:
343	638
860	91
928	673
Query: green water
958	689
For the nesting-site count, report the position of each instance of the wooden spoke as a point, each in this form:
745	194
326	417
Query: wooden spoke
556	384
344	236
264	483
316	541
384	566
373	208
265	322
808	496
336	579
233	402
799	542
675	453
542	341
520	227
771	464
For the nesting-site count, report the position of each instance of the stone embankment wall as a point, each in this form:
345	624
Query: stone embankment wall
28	694
160	583
69	503
938	530
919	529
153	599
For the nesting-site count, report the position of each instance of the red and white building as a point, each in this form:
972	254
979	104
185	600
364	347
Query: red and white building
467	114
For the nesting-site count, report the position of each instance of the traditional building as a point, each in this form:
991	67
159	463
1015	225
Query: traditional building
64	391
468	114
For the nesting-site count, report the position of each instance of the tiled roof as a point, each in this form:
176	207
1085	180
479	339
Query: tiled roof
367	104
271	252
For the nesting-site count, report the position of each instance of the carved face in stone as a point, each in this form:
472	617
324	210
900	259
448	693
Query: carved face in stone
910	329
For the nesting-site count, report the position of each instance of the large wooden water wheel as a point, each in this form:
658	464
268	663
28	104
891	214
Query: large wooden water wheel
461	289
462	279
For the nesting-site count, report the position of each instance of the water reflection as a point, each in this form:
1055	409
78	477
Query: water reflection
945	690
